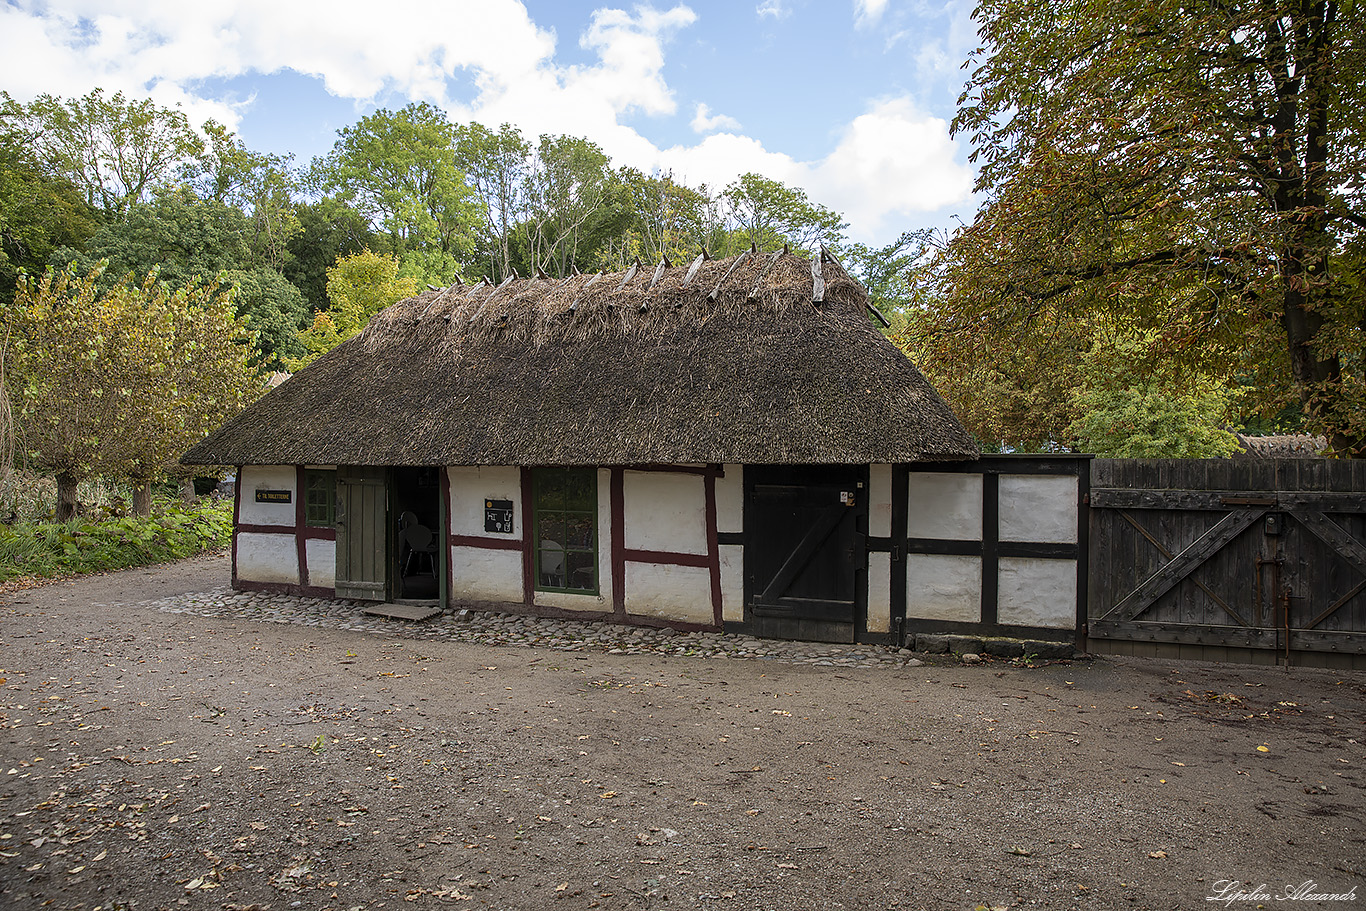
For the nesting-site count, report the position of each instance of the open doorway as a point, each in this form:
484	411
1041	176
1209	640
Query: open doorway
418	534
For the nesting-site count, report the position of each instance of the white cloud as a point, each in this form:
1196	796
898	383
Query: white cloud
704	121
891	163
775	8
482	60
868	12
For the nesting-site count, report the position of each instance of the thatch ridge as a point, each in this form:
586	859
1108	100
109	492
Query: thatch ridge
739	364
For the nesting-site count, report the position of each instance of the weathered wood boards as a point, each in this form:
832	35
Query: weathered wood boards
1225	554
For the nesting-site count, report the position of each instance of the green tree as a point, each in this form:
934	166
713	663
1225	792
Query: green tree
768	214
114	150
498	167
1193	168
119	381
329	230
178	233
358	287
399	170
259	184
274	310
38	214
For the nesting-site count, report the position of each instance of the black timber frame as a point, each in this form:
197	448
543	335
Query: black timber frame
989	547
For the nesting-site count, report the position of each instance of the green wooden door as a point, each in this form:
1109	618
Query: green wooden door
362	542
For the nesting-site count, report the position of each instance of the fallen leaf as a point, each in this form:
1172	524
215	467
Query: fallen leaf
1263	749
100	856
1157	854
561	887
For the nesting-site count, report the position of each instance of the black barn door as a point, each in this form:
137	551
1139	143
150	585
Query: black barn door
805	562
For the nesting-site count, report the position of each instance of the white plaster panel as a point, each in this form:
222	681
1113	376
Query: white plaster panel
880	501
321	555
730	499
942	587
267	558
1040	508
569	601
732	582
471	486
944	504
879	592
484	574
665	511
1036	592
266	477
669	592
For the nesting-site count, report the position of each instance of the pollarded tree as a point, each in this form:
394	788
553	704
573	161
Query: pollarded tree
1193	168
120	381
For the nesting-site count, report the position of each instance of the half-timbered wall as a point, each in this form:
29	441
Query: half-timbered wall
995	547
273	548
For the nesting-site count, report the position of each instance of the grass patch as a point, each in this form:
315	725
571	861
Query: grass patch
83	546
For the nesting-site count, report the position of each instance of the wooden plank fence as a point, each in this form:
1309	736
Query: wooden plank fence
1260	561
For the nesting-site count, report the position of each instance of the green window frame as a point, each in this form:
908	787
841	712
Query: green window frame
320	497
565	512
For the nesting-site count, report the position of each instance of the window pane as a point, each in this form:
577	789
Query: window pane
581	489
579	531
582	571
566	515
550	488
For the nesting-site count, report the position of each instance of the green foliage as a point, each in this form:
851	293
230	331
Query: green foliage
358	287
80	546
1188	169
274	311
114	150
1124	412
399	170
120	381
182	236
329	230
38	213
769	214
257	183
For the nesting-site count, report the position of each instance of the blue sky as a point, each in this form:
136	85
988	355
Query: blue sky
848	99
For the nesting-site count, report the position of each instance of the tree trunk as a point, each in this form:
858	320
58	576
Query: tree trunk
187	490
142	498
66	496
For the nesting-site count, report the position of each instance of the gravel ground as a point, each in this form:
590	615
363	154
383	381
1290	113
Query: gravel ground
167	744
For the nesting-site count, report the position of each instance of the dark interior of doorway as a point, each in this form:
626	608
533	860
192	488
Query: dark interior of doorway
417	533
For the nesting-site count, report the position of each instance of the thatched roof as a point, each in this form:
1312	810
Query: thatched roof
1281	446
725	360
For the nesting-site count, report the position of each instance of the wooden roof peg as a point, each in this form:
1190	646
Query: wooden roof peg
763	274
753	247
692	270
733	266
630	274
573	307
659	270
886	323
786	249
817	280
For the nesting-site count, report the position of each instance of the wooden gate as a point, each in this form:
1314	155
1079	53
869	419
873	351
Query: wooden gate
362	533
805	558
1244	560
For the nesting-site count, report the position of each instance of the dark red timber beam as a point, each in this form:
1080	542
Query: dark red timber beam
618	532
528	557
